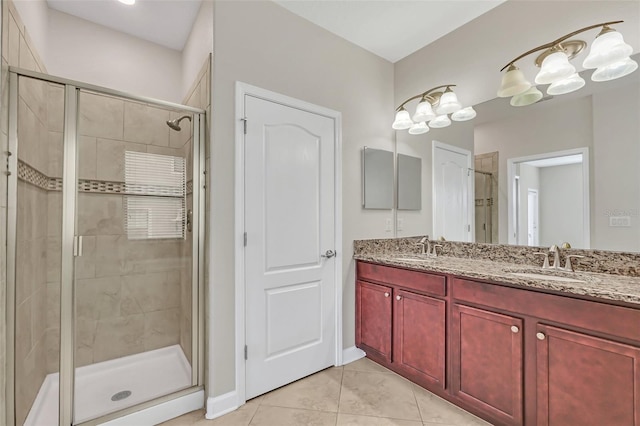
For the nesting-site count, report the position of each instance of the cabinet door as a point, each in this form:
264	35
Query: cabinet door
373	320
488	362
584	380
419	337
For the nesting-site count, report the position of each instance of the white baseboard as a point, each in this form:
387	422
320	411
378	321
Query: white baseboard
162	412
220	405
352	354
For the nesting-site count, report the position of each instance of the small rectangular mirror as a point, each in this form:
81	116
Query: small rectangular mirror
409	182
377	179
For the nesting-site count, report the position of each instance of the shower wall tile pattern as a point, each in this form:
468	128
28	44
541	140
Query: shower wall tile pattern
32	295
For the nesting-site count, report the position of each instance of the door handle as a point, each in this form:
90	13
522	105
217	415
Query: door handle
328	254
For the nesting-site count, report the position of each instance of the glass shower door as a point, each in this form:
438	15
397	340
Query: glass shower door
36	139
133	264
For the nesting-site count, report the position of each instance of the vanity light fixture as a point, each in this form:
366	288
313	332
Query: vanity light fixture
433	108
609	55
128	2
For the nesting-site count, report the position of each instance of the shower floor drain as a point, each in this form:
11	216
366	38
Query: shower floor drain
119	396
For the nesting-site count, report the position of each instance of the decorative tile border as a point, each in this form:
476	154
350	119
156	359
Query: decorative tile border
33	176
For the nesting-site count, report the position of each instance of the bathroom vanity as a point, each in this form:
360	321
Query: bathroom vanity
505	342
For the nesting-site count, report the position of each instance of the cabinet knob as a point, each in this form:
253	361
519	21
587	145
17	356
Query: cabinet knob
386	294
398	297
540	336
514	329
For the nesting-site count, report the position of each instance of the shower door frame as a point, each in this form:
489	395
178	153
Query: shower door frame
69	198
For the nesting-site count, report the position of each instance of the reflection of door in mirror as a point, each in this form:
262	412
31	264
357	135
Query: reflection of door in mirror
452	193
548	198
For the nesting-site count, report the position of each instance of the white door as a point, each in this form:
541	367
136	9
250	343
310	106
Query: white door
452	192
289	221
532	218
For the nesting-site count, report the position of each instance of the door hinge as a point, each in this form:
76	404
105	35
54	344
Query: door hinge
245	353
468	228
245	239
244	122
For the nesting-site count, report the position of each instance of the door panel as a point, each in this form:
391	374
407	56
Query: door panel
373	320
291	178
419	336
488	362
584	380
289	222
452	193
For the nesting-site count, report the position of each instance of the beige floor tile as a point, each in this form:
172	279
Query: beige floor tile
185	420
279	416
435	410
353	420
377	394
365	364
318	392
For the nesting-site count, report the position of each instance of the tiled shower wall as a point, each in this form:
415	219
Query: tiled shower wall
31	366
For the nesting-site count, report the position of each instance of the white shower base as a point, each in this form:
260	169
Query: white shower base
147	375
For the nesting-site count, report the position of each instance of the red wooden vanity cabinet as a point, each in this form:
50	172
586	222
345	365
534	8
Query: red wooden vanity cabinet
512	356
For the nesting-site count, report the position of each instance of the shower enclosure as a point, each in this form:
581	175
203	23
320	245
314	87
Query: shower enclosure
105	249
483	206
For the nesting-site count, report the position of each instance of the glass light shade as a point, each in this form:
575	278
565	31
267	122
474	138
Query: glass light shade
607	49
567	85
419	128
615	70
513	83
464	114
402	121
128	2
555	67
448	103
424	112
529	97
440	122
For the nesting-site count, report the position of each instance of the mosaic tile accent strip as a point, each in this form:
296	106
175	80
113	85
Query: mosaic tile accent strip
33	176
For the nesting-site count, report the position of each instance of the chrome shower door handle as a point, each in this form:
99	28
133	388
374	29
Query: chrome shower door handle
328	254
189	220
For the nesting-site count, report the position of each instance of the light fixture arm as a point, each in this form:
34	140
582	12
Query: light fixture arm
558	41
424	95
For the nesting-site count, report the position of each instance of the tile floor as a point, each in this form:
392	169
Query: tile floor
360	393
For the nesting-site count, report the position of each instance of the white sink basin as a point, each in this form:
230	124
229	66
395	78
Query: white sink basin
546	277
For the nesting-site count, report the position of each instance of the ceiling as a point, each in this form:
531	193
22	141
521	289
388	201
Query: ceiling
164	22
390	29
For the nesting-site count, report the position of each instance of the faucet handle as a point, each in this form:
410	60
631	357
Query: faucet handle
545	264
568	266
435	249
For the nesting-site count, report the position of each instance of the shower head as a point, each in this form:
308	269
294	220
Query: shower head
175	123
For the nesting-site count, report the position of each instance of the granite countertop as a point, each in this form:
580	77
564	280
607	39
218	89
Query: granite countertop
603	286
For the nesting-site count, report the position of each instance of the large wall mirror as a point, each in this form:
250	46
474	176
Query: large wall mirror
576	157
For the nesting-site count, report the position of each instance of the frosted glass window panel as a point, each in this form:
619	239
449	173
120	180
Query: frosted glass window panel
409	182
377	179
159	209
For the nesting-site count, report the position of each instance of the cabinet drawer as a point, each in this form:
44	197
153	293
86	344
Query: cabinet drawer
414	280
596	316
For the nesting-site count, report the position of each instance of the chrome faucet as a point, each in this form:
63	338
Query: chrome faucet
426	245
556	256
428	249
